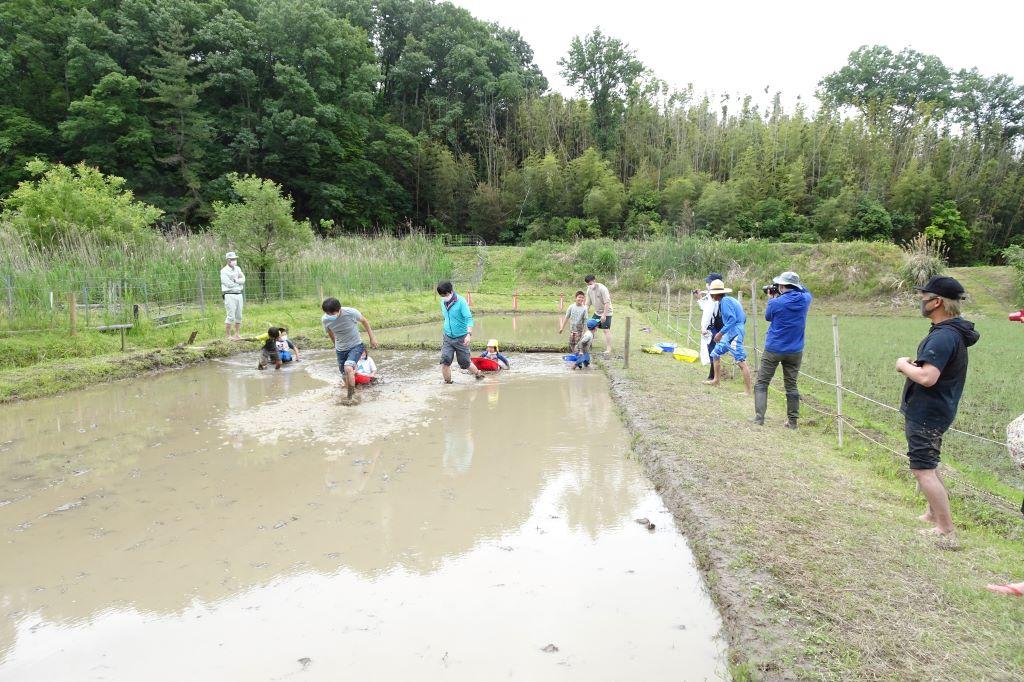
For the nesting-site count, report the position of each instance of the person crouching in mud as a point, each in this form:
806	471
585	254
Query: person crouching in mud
457	332
341	325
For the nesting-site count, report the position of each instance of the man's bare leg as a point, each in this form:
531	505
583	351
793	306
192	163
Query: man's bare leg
350	383
238	329
746	375
446	373
934	491
227	331
717	362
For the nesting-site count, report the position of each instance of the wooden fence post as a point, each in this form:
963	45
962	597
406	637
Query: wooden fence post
753	316
839	379
85	300
625	347
515	302
320	291
73	313
10	299
561	302
469	298
202	296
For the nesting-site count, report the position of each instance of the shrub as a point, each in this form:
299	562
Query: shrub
922	258
1014	256
65	203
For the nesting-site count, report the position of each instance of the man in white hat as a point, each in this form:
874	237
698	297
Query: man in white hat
786	313
232	283
730	338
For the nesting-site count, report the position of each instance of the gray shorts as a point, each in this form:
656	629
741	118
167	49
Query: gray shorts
233	308
454	349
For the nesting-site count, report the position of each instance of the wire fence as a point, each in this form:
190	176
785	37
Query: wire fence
677	316
100	302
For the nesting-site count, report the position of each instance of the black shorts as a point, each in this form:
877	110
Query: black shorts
607	321
923	445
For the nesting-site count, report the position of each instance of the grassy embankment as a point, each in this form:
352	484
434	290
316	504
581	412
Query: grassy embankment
811	550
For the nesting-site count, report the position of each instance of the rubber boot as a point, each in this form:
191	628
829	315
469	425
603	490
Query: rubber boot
792	409
760	405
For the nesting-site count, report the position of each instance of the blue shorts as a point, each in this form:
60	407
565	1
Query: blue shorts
349	357
723	347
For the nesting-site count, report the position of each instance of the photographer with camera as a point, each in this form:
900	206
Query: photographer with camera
786	312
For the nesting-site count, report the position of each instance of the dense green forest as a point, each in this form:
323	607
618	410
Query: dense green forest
390	114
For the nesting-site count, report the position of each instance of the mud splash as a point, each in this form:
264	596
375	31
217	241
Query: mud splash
434	532
523	330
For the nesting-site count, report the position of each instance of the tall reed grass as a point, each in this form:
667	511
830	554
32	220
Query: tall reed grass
860	269
181	269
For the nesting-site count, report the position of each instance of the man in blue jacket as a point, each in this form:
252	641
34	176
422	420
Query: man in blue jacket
786	313
457	334
730	338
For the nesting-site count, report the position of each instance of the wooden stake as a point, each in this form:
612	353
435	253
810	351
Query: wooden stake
625	347
839	379
689	321
73	313
753	316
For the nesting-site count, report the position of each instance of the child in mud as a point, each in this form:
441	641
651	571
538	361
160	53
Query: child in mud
575	316
367	367
492	353
268	353
286	348
586	341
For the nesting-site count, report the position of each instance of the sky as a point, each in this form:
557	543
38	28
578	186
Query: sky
787	45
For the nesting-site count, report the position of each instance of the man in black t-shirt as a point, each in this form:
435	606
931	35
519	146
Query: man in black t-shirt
935	382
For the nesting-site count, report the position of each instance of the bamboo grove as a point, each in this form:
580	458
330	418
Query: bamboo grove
412	113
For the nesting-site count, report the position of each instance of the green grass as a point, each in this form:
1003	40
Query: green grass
816	561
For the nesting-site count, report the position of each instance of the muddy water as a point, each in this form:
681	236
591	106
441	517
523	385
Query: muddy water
220	523
521	329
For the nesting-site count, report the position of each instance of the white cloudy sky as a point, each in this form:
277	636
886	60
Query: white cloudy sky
745	46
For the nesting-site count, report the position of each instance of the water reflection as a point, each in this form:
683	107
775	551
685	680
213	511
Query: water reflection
136	502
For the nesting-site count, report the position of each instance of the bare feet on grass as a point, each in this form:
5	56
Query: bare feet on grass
710	382
926	517
942	540
1009	589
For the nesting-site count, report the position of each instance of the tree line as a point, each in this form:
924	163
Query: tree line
378	114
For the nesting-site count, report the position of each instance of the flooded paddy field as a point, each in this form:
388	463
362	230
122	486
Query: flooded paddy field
220	523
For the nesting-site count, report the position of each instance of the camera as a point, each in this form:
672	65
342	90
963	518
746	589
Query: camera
770	289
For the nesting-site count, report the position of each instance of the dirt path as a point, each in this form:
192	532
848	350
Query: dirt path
812	553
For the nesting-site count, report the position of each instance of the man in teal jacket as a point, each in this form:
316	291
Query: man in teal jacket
457	333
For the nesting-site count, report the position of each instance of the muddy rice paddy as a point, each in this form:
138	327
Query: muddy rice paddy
222	523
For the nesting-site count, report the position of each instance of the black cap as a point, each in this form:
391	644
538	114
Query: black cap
712	277
946	287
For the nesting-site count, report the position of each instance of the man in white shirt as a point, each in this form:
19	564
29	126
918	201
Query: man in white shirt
232	283
598	296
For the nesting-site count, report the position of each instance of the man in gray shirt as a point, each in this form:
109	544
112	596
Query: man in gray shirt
341	325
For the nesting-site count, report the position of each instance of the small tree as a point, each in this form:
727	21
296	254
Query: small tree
67	202
260	228
949	228
871	222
